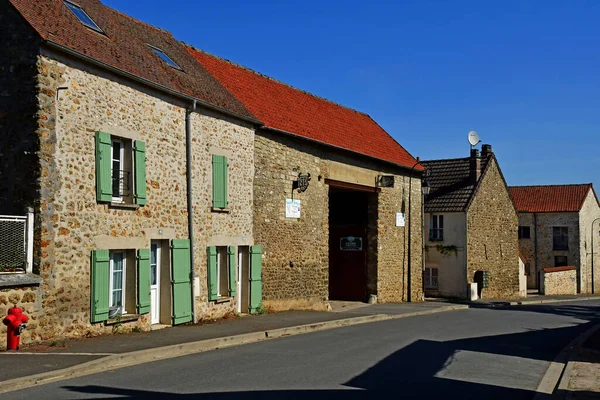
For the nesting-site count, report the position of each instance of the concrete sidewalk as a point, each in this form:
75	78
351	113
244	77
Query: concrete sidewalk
581	377
69	358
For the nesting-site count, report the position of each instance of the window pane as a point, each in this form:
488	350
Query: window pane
117	279
153	266
165	57
82	16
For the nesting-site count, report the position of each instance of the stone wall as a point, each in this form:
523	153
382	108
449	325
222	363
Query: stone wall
492	243
559	281
29	300
527	248
75	101
589	213
296	251
542	237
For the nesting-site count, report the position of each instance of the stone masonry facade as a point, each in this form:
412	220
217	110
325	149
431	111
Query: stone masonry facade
73	101
539	251
296	251
492	243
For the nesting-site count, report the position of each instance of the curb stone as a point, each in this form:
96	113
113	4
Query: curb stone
556	378
549	301
162	353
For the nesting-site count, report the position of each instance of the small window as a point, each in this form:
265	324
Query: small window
121	168
560	238
431	278
560	261
82	16
164	57
222	272
117	283
524	232
436	228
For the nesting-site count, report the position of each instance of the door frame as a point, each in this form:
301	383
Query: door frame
155	319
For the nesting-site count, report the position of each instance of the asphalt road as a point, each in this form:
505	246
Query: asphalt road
468	354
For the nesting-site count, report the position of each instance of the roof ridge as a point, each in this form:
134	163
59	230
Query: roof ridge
554	185
276	80
446	159
138	21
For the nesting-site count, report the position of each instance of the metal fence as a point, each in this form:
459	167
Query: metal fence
16	243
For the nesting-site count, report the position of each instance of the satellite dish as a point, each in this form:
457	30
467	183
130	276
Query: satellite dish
473	138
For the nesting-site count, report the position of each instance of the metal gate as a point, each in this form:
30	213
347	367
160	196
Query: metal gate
16	243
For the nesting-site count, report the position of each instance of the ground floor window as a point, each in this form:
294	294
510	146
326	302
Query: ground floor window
222	272
117	280
431	278
560	261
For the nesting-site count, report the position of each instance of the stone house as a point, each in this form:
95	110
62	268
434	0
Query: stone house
139	166
559	226
331	191
471	229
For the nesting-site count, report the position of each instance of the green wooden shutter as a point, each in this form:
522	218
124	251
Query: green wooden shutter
143	261
100	280
103	167
212	273
255	279
219	181
182	285
139	187
232	264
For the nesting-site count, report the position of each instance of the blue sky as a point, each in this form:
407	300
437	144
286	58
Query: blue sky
524	74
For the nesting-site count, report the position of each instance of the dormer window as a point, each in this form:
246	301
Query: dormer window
163	56
82	16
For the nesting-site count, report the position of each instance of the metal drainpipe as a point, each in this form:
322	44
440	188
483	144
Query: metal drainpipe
190	209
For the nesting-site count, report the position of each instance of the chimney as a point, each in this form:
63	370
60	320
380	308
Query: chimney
475	165
486	150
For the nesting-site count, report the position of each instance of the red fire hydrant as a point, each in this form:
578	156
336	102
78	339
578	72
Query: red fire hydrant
15	324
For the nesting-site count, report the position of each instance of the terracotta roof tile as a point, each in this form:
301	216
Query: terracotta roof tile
553	198
124	47
291	110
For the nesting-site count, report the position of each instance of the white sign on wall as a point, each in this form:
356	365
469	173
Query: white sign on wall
292	208
400	219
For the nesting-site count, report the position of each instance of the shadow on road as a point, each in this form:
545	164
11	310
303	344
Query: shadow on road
429	369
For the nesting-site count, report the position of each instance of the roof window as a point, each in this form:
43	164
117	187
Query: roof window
164	57
82	16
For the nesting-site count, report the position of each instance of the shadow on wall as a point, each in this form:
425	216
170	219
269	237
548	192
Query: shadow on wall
427	369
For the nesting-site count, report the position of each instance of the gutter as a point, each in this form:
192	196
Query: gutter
190	208
267	128
149	83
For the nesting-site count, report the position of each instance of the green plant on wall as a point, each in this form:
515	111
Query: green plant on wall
444	250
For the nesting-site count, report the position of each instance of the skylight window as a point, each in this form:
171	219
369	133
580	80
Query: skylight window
83	17
164	57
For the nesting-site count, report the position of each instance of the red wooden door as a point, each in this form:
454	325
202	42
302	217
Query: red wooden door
348	263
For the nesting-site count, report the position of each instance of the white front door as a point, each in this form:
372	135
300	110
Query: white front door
155	282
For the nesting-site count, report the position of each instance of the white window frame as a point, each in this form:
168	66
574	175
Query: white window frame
222	249
121	159
111	280
439	232
429	282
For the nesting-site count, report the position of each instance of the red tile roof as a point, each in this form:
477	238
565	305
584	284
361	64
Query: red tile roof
124	47
294	111
554	198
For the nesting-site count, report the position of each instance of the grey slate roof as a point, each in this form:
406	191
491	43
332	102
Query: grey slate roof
451	184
